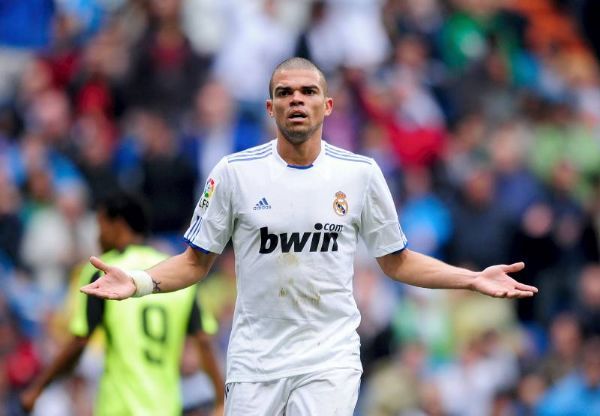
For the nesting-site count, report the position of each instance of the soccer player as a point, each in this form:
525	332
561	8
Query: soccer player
295	208
144	336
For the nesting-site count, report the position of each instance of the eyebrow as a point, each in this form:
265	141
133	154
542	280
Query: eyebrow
302	87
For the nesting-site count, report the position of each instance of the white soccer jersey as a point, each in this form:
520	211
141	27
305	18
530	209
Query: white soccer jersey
294	231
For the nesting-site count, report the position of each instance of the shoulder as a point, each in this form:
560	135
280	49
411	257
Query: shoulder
334	153
351	164
253	153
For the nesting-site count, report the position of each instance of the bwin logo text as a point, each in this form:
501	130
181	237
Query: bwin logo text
296	242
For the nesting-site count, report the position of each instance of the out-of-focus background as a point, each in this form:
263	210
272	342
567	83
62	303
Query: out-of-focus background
483	114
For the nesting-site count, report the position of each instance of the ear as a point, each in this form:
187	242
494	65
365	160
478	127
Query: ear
269	105
328	106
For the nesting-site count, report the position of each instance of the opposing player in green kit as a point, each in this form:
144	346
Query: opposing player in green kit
144	336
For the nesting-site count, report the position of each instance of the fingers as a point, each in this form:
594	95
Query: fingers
513	268
519	294
513	294
527	288
99	264
93	289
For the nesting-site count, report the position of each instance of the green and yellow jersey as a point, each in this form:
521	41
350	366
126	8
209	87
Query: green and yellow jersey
144	340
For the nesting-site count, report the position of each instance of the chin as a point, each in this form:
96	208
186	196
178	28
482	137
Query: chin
296	137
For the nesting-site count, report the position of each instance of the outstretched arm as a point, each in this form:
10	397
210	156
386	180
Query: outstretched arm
420	270
169	275
62	364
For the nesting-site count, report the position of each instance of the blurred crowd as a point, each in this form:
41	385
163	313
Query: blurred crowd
483	114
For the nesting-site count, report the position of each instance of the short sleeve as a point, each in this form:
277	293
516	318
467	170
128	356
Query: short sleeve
212	223
380	228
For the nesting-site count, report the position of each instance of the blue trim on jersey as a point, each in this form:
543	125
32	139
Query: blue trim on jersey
195	247
400	251
193	232
347	158
300	166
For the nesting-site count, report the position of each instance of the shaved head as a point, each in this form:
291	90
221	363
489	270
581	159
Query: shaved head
297	63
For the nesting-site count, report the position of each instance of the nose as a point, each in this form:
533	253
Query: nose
297	98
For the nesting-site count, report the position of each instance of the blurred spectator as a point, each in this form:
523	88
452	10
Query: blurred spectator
470	27
204	24
465	150
578	393
344	126
166	177
97	87
471	316
588	300
57	237
561	143
414	140
215	129
395	384
483	230
358	31
11	226
49	116
485	368
424	316
419	77
421	17
534	244
590	9
165	70
530	390
250	53
374	144
306	44
376	301
425	218
516	187
95	156
564	351
25	27
345	33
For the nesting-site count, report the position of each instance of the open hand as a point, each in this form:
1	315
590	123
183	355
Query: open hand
495	281
115	284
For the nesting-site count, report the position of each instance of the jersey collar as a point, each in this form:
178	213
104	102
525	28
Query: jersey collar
282	162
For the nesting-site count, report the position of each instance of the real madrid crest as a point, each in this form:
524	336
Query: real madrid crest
340	205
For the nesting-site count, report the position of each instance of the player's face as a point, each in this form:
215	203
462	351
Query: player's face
299	104
107	231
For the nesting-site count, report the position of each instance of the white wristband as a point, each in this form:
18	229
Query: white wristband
142	281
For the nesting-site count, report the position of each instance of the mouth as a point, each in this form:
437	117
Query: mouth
297	115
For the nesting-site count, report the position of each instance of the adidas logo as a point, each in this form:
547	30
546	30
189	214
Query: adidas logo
262	204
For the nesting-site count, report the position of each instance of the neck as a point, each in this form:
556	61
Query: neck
128	240
301	154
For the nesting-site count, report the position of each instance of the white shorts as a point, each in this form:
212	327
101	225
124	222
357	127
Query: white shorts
326	393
